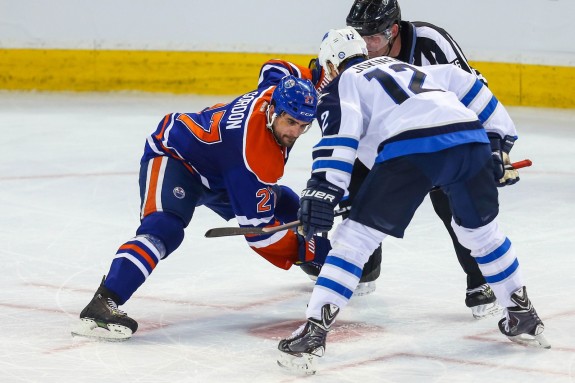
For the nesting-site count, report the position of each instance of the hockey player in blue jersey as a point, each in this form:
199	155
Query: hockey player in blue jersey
423	127
229	158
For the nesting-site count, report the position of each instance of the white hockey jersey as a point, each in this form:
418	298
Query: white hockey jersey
383	108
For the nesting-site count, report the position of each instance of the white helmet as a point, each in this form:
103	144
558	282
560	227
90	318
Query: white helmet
338	45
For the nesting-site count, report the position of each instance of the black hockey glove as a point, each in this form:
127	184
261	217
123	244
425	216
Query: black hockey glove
316	207
504	173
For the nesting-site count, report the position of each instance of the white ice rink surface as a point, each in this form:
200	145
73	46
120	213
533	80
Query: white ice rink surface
214	310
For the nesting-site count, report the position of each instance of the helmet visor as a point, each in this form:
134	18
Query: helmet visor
376	44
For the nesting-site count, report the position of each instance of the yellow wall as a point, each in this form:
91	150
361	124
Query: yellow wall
232	73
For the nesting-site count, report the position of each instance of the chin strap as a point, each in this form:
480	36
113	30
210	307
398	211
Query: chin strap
389	47
390	44
327	75
270	123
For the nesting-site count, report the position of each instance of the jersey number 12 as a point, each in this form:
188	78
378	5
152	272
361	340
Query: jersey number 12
393	89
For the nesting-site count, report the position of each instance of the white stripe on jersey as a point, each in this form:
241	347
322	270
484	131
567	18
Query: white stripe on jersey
148	173
243	220
346	159
274	238
160	184
158	191
167	136
153	146
149	245
481	100
280	68
268	67
447	45
135	261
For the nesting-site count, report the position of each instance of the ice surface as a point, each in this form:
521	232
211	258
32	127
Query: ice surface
214	310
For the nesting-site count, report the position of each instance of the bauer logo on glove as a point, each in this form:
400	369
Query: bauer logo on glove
316	207
318	194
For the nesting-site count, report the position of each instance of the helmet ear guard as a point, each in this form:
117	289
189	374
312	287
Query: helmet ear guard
339	45
296	97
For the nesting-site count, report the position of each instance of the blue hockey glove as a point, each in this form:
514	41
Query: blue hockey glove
317	75
502	169
317	202
313	251
312	254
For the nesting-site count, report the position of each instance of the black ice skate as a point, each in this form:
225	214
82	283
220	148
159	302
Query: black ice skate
522	324
103	320
300	350
482	302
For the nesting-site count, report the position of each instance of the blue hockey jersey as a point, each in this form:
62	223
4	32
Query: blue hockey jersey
231	151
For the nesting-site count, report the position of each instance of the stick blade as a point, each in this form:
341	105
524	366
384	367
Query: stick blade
231	231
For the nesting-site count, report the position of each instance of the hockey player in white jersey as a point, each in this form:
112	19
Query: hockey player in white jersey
380	24
423	127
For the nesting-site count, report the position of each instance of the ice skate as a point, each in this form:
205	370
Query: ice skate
370	273
522	324
364	288
482	302
300	351
102	319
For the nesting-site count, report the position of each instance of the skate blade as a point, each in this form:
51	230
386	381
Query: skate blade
88	328
303	364
538	341
488	310
364	288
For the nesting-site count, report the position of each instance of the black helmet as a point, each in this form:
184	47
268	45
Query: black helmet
369	17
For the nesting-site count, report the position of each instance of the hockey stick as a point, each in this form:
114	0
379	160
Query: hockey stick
230	231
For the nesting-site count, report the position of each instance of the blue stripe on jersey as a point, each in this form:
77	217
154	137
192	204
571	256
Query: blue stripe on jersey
488	110
473	92
345	265
332	164
337	141
495	254
318	153
334	286
504	274
430	144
